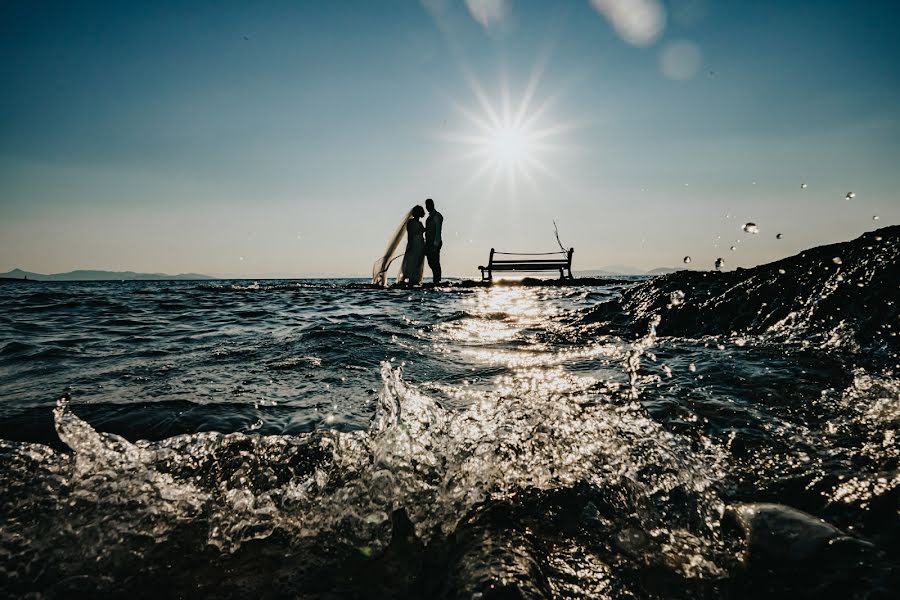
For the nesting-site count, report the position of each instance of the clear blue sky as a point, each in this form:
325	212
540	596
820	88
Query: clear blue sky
255	138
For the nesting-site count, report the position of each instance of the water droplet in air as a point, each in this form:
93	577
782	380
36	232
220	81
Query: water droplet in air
751	228
692	367
240	258
874	217
732	248
850	196
687	260
779	236
720	262
802	186
781	271
877	238
836	260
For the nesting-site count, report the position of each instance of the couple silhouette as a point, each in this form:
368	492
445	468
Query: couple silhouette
422	242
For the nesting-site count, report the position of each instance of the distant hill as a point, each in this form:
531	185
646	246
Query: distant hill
609	271
617	270
664	270
87	275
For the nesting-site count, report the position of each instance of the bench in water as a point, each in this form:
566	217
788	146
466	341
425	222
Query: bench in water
548	261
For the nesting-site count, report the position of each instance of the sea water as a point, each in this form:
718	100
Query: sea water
319	439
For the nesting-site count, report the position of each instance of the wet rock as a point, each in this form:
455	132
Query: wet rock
774	532
804	297
791	554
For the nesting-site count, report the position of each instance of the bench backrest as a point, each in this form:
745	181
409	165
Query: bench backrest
548	259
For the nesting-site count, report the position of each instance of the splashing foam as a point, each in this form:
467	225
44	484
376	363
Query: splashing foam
436	465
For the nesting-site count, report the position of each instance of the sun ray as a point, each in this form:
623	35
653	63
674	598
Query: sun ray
510	140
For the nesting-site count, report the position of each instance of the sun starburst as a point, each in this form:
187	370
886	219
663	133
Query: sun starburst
507	143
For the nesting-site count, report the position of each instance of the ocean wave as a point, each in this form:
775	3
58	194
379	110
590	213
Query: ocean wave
842	295
417	462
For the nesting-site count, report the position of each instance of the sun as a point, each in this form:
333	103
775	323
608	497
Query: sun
509	144
505	140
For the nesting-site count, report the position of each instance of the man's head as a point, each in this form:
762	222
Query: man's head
429	204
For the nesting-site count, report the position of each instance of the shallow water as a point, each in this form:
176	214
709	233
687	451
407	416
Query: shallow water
313	439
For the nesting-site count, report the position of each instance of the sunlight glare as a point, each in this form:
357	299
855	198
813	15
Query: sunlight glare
509	144
506	139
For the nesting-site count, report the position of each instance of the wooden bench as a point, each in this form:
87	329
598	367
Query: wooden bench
549	261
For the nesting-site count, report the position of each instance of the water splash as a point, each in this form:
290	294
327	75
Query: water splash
433	464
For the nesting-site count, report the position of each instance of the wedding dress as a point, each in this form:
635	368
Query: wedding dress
414	258
412	268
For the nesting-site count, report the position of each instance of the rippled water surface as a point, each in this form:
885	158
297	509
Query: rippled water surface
316	439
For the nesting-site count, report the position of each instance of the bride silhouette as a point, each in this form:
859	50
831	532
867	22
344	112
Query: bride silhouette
413	264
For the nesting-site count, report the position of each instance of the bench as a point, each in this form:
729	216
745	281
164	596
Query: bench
549	261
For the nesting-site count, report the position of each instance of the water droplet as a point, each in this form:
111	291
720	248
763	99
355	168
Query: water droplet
877	238
781	271
850	196
687	260
779	236
667	370
692	367
732	248
874	217
720	262
751	228
240	258
839	277
802	186
836	260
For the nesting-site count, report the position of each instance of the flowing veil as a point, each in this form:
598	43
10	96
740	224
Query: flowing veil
380	269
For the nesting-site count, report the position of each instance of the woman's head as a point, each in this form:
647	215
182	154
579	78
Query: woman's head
418	212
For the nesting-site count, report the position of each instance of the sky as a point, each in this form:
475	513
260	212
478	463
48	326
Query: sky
290	138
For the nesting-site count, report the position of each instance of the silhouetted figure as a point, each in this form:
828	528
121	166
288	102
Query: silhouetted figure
414	257
433	242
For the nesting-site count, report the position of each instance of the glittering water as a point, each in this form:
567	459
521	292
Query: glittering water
318	439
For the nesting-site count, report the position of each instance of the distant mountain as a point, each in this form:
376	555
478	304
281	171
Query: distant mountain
664	270
618	270
609	270
596	273
87	275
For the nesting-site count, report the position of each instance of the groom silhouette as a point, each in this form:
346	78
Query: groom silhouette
433	241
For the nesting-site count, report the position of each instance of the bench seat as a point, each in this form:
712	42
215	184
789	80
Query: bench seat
551	261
